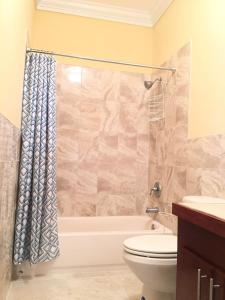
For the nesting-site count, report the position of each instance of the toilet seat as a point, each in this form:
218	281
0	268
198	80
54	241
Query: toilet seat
152	246
151	255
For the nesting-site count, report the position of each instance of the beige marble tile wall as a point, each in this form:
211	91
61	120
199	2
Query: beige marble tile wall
9	157
102	142
183	166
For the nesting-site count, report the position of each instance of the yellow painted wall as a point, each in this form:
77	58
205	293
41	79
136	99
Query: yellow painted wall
92	37
203	22
15	26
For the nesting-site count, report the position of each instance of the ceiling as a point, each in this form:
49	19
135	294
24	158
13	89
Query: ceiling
138	12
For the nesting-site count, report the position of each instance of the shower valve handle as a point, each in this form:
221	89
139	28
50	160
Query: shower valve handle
156	190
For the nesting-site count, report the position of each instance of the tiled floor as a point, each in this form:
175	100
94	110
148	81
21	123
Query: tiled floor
97	283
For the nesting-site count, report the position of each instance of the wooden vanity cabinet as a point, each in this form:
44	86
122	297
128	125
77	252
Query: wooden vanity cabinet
201	257
198	279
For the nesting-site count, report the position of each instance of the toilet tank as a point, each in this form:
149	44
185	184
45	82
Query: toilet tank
202	199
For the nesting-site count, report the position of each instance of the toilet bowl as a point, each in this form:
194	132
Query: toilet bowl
153	258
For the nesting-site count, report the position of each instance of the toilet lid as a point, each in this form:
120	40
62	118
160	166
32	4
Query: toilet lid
154	245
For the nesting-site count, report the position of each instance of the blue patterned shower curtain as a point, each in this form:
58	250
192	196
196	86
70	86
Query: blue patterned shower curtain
36	236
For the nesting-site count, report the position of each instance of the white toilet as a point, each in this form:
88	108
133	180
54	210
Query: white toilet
153	258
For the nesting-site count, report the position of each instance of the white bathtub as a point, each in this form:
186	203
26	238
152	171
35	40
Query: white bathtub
88	241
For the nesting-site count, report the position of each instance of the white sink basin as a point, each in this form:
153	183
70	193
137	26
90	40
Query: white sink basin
214	209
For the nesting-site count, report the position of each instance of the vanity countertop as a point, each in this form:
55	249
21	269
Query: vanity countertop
210	216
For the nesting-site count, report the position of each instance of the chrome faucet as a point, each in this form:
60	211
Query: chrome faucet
152	210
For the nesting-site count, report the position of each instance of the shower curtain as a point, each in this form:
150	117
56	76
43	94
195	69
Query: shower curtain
36	236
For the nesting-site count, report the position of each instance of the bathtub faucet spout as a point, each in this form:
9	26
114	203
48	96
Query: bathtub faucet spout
153	210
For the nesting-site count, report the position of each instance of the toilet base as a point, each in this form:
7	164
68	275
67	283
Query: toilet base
149	294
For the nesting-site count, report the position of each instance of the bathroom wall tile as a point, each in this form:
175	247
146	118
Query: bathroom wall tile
100	85
108	148
3	207
183	166
87	180
91	116
142	202
7	136
126	172
67	144
181	110
67	82
142	178
143	149
128	118
132	88
9	156
184	51
213	182
169	147
65	117
222	153
175	146
4	174
206	152
155	174
161	147
69	95
142	122
88	145
152	144
102	129
66	202
179	141
193	181
116	205
66	186
168	142
168	185
133	104
207	182
85	204
168	220
170	107
108	180
127	147
111	118
67	177
183	63
175	184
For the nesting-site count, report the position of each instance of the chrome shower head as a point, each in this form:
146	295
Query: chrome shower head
149	83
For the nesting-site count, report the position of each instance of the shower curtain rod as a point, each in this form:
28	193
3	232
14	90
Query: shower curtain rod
30	50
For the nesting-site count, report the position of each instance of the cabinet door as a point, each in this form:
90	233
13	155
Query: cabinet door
217	285
192	277
197	279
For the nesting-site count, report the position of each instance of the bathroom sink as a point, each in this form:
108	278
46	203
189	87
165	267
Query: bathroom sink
214	209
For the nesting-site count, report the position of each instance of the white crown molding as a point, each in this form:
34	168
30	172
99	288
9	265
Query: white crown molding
158	9
98	10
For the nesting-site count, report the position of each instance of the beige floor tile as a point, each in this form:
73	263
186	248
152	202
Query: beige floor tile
100	283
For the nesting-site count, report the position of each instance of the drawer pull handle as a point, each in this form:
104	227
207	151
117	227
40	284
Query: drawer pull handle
199	283
212	286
